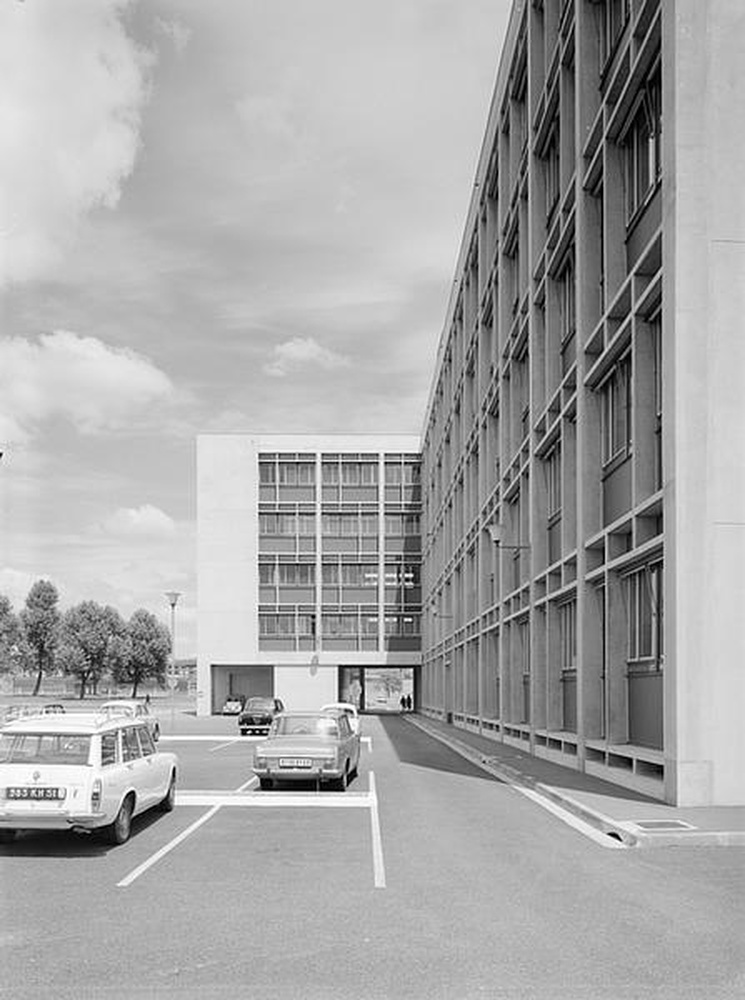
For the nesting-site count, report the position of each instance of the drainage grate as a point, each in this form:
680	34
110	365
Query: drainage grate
663	824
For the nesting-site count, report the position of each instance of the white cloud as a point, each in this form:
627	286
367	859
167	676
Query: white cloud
72	89
146	521
302	352
81	379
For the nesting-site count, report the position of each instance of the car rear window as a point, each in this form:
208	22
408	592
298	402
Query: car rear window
306	725
44	748
262	704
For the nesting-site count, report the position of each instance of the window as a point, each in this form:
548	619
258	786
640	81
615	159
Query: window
567	307
553	483
645	606
568	635
147	747
369	524
267	574
296	574
277	524
615	14
393	474
267	473
336	625
350	474
273	625
130	745
657	362
616	412
330	474
643	146
108	749
306	524
551	171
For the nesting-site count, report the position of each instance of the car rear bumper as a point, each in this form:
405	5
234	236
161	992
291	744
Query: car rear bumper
61	820
314	773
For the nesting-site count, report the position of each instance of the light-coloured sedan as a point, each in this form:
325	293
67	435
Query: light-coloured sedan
81	772
308	746
135	709
348	709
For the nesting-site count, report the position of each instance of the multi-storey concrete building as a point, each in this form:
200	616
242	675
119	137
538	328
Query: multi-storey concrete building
309	561
583	452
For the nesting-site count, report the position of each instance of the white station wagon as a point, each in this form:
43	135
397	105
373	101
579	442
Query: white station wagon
81	772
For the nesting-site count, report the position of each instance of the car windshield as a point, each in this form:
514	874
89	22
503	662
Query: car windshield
264	704
305	725
44	748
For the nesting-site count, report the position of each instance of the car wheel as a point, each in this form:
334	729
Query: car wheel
156	733
169	801
341	783
120	829
7	836
265	784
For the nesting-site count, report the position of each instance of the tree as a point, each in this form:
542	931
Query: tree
41	620
88	644
143	651
11	636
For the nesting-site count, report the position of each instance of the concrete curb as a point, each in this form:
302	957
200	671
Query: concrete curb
617	829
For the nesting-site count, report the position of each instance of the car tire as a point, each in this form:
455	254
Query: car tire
340	784
244	732
156	733
167	804
266	784
7	836
120	829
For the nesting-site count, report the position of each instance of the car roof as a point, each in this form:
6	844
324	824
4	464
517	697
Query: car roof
343	706
72	722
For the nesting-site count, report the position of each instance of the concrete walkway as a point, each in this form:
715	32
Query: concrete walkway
625	815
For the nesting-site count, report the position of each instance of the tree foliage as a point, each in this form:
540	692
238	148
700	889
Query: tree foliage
40	618
89	644
142	653
12	639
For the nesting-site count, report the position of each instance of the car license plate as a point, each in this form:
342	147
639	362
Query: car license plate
295	762
34	793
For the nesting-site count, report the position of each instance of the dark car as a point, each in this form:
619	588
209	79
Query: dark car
258	715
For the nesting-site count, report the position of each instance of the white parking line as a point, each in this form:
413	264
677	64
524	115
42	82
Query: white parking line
129	879
229	743
377	839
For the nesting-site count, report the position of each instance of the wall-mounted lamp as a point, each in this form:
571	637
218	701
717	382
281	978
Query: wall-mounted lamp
495	530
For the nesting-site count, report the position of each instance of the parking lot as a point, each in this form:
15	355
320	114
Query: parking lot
426	878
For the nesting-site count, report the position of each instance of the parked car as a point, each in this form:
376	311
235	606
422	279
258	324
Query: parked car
133	709
54	709
348	709
234	704
308	746
258	714
81	771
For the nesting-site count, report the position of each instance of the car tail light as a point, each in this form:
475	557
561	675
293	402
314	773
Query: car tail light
96	794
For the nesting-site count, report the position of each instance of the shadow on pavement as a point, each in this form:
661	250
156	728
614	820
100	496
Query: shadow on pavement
412	746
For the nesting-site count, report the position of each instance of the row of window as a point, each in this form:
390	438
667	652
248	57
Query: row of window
336	525
332	624
342	473
337	574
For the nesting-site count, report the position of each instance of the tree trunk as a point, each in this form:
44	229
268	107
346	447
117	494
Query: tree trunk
39	675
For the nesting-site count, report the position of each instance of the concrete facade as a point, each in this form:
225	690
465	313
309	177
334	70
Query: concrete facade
309	556
587	409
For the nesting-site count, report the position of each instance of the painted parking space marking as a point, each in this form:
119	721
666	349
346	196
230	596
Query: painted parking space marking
227	743
154	858
247	796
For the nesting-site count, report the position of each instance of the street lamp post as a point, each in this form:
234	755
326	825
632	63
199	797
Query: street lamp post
172	597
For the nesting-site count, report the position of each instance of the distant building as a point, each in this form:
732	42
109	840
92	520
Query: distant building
583	452
309	563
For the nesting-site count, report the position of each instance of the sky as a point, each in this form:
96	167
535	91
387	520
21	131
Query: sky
224	216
